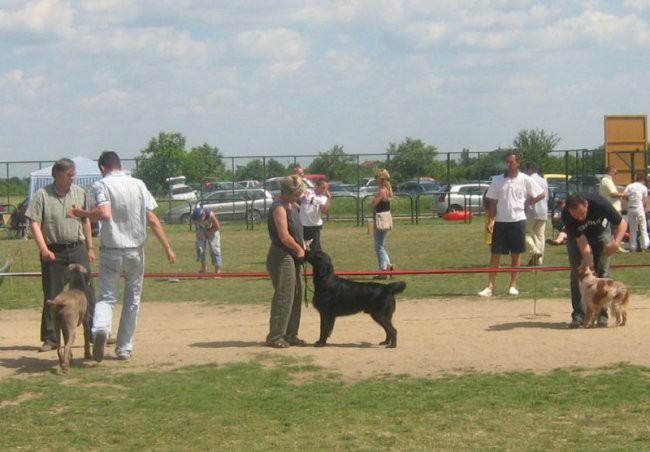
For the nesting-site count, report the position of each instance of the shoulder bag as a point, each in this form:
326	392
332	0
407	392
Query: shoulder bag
383	221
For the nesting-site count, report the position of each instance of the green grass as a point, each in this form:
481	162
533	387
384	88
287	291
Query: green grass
291	405
434	243
285	404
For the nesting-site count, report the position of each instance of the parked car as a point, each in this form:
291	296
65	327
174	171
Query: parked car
272	185
210	186
227	204
415	187
249	183
338	189
179	190
459	197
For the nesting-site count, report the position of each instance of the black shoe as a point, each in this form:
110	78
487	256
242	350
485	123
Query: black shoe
602	322
98	346
576	323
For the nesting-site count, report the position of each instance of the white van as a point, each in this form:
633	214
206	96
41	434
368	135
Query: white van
179	190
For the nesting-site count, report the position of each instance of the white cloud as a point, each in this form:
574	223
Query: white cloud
107	100
272	44
27	85
637	5
43	17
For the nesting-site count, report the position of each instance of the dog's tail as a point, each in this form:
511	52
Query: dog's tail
396	287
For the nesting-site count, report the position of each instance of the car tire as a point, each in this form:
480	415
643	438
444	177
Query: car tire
454	208
185	218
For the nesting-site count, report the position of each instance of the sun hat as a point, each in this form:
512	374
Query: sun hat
196	213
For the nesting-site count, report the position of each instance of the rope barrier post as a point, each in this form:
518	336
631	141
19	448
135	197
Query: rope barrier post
535	292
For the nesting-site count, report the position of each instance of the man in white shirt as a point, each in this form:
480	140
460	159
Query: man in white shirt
125	206
637	198
507	198
536	217
312	205
610	192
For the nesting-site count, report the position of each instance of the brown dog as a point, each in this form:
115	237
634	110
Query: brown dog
69	310
598	293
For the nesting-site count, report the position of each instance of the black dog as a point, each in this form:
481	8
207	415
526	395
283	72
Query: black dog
334	296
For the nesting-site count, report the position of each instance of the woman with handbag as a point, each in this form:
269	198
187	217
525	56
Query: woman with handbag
383	221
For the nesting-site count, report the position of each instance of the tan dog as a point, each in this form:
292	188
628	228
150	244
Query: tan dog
69	310
598	293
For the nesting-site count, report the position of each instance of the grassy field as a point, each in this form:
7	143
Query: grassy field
282	403
433	244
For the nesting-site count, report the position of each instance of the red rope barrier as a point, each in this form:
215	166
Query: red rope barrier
432	271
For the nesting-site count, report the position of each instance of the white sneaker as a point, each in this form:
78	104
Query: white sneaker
513	291
487	292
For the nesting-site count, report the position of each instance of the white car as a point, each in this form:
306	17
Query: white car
459	197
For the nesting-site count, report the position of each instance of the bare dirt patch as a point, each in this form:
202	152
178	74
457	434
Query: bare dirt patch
435	337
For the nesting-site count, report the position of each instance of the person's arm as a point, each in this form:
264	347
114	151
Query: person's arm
282	226
615	244
97	213
88	235
585	250
37	233
214	224
381	195
156	227
324	208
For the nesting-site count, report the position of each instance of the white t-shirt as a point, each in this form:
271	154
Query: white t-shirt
130	200
511	193
310	207
637	192
539	210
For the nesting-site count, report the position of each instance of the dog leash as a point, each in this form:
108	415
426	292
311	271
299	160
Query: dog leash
304	274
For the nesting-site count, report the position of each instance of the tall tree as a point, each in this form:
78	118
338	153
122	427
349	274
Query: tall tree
203	161
535	145
162	158
335	164
413	158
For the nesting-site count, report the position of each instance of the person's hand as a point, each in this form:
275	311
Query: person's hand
490	226
171	256
72	212
47	256
91	255
301	253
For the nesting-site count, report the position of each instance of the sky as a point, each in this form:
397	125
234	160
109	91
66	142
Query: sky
267	78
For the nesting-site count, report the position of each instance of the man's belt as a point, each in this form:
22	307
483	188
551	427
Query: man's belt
63	246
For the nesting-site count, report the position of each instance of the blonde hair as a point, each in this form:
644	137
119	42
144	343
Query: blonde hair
291	185
382	173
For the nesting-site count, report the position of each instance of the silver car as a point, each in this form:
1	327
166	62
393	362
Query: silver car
249	203
459	197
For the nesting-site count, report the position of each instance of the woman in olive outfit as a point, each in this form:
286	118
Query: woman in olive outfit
286	252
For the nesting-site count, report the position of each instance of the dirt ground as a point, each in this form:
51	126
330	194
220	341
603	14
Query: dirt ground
435	337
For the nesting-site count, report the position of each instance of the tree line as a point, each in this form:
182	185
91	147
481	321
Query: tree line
166	155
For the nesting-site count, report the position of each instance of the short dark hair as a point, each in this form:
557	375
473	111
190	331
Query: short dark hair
509	153
531	166
109	160
61	166
574	199
640	177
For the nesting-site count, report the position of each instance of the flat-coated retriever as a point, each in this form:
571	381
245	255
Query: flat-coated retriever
335	296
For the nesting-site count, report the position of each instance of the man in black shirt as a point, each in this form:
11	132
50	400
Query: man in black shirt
590	242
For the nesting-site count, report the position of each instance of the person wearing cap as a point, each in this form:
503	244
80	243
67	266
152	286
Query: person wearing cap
207	236
283	262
